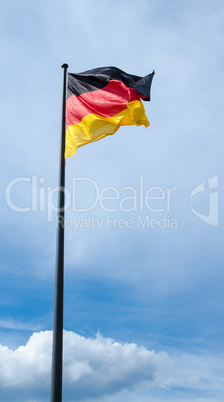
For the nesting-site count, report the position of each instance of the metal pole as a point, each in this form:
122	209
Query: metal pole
57	351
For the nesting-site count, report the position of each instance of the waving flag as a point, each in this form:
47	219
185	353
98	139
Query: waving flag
101	100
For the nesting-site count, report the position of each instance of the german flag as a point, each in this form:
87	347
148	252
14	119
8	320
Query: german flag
101	100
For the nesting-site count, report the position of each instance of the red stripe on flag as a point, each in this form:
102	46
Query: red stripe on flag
106	102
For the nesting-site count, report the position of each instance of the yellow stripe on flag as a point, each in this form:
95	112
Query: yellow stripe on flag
93	127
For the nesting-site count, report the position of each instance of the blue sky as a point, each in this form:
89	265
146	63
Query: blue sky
143	309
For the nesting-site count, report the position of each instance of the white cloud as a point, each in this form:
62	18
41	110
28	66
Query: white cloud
97	367
105	366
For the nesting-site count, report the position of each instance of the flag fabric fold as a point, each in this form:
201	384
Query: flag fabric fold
101	100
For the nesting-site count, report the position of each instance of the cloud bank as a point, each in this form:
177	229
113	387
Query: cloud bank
97	367
92	366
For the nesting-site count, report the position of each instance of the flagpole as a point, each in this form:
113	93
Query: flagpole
57	350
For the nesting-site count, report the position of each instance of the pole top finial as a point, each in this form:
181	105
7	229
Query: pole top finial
64	65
